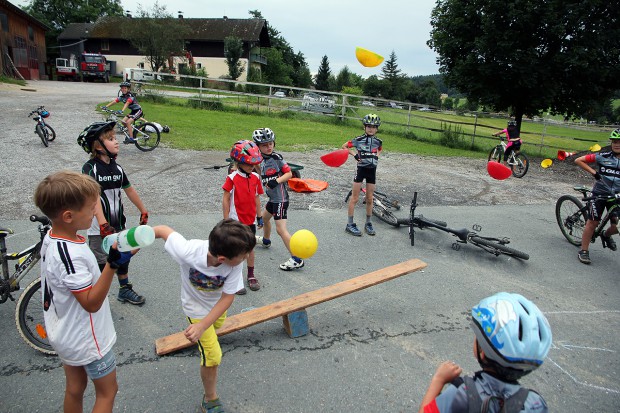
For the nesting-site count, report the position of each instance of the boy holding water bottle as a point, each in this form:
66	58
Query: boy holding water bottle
99	140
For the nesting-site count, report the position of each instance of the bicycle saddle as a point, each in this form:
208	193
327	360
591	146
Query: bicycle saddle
461	233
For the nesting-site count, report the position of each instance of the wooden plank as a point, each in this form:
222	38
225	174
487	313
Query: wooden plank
249	318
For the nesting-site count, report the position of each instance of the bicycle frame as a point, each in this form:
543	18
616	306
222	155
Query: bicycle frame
143	140
588	198
512	160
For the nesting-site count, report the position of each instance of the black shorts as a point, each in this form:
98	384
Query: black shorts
136	114
277	209
369	174
598	207
514	147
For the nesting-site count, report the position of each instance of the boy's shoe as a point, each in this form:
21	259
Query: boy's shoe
291	264
369	229
584	257
129	140
263	241
609	242
253	284
242	291
126	294
353	230
213	406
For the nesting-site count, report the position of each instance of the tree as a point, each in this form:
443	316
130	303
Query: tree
343	79
393	78
373	86
277	72
157	35
529	56
321	81
233	50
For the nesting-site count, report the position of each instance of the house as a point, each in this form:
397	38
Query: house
204	46
22	43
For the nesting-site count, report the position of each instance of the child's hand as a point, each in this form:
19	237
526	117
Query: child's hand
259	222
117	258
193	332
447	371
144	218
106	229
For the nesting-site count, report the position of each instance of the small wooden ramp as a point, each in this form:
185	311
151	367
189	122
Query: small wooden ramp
293	309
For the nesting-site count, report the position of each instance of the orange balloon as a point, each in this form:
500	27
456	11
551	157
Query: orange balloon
368	58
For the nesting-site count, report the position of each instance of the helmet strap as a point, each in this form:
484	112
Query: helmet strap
107	152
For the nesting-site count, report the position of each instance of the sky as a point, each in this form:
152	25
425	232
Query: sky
332	28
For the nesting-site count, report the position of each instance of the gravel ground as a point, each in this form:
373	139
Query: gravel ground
176	181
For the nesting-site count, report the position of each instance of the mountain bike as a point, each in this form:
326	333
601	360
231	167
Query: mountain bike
29	310
517	161
382	206
572	214
495	246
45	131
145	135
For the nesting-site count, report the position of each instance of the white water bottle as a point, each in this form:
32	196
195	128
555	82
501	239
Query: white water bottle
130	239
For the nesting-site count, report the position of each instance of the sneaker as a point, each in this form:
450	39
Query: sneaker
129	140
213	406
126	294
369	229
291	264
353	230
263	241
242	291
584	257
609	242
253	284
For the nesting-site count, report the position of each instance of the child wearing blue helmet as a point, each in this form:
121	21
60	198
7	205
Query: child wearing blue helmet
512	338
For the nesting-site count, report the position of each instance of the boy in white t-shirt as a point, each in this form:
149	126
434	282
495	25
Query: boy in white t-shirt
75	305
210	277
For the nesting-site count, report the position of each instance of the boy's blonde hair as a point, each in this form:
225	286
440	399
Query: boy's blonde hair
64	190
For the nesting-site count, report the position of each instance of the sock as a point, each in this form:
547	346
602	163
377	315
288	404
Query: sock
350	220
266	241
123	282
250	272
368	218
296	259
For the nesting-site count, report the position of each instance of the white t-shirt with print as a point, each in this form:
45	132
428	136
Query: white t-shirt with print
201	285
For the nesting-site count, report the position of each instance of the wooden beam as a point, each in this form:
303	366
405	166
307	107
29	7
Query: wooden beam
249	318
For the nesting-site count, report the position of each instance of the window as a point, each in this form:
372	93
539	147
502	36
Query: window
4	22
141	65
198	65
20	53
33	58
105	45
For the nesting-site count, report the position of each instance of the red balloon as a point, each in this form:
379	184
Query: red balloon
498	171
336	158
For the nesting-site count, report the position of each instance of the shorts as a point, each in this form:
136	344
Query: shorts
136	114
511	148
598	207
208	345
277	209
94	242
369	174
102	367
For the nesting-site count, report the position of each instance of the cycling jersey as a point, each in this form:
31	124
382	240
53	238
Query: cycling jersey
129	97
368	148
608	166
271	168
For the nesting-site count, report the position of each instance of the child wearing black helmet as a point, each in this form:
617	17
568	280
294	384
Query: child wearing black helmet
99	140
366	150
513	138
130	101
512	339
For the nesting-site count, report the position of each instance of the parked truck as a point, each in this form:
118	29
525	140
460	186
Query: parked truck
67	68
93	66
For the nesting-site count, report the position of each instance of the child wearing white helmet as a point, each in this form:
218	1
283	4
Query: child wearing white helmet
512	338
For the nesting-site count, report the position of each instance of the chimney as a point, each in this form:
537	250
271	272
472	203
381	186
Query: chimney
128	13
225	17
180	14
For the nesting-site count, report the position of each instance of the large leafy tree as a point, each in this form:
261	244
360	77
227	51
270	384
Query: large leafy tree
529	56
321	81
233	49
394	79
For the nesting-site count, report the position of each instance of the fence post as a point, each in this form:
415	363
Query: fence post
542	137
473	138
343	111
200	92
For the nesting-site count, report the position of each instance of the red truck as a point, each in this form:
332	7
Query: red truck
93	66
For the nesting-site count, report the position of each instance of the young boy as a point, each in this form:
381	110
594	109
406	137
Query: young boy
512	136
130	101
512	338
77	313
99	140
275	172
211	274
366	150
241	199
607	176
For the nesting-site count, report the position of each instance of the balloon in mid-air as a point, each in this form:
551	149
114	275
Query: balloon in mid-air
368	58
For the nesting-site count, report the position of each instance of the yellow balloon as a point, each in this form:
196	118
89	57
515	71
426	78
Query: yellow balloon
595	148
368	58
304	244
546	163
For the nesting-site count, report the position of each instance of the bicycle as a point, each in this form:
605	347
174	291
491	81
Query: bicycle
382	206
29	309
495	246
45	131
517	161
145	135
572	215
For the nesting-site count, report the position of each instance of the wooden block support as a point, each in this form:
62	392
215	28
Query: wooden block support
296	324
282	308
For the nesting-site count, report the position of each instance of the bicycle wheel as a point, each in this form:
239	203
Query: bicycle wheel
496	154
39	130
520	169
146	140
386	200
29	318
385	215
497	248
51	134
571	216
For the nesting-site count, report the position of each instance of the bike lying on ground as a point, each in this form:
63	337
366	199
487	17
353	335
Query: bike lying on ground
517	161
145	135
29	310
495	246
45	131
382	206
572	214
